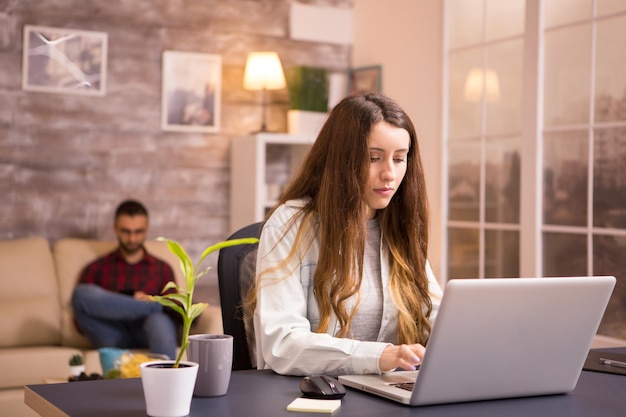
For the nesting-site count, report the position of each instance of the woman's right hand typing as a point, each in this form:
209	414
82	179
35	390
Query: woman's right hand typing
403	356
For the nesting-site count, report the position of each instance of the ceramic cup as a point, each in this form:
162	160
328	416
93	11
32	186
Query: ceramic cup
214	355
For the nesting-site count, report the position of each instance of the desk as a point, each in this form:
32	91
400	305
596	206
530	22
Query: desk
263	393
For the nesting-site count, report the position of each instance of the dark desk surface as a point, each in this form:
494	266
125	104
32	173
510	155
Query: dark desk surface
263	393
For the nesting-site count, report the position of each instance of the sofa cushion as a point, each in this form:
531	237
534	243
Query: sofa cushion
71	255
33	365
29	301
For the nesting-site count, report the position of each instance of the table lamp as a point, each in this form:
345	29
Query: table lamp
263	72
479	82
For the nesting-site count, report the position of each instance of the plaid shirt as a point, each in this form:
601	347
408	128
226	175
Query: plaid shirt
113	273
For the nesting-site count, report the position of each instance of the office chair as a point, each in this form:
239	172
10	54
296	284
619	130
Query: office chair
236	268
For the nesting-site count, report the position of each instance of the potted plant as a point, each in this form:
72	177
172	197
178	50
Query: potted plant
168	385
308	99
77	366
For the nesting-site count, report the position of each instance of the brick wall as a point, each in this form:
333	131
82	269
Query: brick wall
67	160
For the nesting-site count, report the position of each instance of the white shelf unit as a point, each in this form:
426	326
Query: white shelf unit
260	166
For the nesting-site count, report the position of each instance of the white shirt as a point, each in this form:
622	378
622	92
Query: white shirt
286	314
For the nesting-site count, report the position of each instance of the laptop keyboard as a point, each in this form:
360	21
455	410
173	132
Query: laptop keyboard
405	385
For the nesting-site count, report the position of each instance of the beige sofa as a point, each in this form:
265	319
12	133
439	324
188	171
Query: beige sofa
37	334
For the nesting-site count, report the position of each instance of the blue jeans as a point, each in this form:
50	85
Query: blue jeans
110	319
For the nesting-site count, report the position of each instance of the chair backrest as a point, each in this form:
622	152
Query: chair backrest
236	269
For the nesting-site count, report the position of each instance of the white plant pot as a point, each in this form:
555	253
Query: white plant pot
305	123
76	370
168	391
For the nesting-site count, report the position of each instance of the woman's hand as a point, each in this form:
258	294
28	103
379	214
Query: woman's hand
403	356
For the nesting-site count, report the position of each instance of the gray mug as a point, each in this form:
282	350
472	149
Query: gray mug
214	355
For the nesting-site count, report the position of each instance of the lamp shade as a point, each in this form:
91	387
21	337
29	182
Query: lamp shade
263	71
479	81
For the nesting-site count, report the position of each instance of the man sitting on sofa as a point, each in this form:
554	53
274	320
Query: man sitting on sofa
110	301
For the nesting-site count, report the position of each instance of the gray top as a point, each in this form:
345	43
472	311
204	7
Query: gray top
366	321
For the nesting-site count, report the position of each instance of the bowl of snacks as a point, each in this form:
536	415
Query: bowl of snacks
127	365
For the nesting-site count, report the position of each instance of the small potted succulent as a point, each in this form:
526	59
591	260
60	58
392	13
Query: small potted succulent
168	385
77	366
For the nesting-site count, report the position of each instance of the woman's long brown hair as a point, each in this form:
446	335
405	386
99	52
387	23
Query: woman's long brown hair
333	178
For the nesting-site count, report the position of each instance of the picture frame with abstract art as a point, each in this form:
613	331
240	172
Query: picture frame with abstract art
62	60
365	80
191	91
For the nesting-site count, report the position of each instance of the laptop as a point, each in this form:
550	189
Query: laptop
501	338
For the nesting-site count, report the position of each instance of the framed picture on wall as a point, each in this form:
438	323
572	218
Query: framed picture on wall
190	98
365	80
61	60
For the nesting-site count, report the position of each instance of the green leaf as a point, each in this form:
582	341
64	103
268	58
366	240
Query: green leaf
176	297
174	306
197	309
169	286
225	244
177	249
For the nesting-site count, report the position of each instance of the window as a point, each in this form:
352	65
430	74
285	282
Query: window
535	142
485	55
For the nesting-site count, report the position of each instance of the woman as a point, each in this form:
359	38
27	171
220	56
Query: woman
343	284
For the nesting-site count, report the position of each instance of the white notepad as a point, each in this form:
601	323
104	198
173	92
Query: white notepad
309	405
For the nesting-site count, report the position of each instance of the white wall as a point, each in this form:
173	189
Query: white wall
405	36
